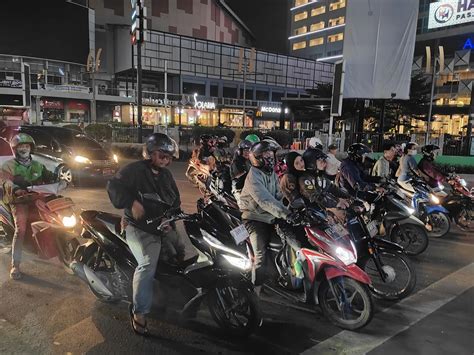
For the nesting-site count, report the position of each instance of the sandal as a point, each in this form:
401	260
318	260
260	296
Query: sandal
15	273
139	329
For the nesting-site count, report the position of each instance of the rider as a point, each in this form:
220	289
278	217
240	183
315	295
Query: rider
352	170
252	138
333	163
240	167
408	167
289	182
126	190
426	165
260	203
23	171
315	143
383	166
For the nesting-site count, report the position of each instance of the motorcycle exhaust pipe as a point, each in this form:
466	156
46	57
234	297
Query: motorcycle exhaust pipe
87	275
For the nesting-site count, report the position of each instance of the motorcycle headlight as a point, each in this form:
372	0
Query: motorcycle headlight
463	182
115	158
346	256
69	222
239	262
434	199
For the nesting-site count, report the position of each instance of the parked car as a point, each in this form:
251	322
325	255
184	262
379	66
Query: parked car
71	154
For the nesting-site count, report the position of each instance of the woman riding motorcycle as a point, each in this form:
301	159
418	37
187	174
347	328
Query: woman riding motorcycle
240	167
427	167
289	182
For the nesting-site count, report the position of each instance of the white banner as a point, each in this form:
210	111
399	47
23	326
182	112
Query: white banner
450	12
379	42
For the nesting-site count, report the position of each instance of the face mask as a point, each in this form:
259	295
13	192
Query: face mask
268	163
23	153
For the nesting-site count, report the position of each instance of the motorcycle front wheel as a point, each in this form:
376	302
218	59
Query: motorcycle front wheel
464	219
347	304
440	223
236	310
412	237
393	275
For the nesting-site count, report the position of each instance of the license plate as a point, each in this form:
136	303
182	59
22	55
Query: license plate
108	172
372	227
239	234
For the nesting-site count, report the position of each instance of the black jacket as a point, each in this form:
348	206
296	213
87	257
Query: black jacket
136	179
353	174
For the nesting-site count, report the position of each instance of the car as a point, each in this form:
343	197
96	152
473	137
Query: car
74	156
6	152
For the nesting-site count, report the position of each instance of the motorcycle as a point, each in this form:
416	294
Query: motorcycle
51	222
428	208
198	174
324	271
460	202
218	276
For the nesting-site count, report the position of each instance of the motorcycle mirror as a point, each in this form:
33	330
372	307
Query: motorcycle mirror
297	204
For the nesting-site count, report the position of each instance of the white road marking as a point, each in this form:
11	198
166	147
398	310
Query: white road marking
399	317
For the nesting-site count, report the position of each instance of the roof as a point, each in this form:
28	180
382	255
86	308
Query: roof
227	8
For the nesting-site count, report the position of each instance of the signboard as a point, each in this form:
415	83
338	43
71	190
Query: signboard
450	12
14	83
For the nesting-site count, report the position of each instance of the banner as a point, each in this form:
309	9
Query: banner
379	42
450	12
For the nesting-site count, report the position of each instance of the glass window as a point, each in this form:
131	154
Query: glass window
336	21
299	45
301	30
301	16
318	11
316	42
317	26
335	38
300	2
337	5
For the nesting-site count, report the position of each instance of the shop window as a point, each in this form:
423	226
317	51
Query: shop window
337	5
230	92
300	2
316	42
336	21
335	38
318	11
301	30
299	45
301	16
317	26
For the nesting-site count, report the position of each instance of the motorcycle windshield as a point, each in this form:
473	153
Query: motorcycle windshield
220	222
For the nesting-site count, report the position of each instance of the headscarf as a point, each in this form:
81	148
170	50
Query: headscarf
290	163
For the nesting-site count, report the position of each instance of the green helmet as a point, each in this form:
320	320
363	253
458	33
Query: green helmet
252	138
22	138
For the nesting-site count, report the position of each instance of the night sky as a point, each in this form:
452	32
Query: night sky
267	19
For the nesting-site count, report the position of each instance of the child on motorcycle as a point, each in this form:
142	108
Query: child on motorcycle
22	171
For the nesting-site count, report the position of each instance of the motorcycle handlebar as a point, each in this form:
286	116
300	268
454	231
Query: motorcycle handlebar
176	217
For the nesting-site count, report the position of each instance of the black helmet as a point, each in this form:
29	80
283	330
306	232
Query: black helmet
311	156
205	139
357	151
161	142
261	147
245	144
428	150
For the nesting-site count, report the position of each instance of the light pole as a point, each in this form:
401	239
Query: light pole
438	60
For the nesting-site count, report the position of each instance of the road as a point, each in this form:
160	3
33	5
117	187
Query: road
51	311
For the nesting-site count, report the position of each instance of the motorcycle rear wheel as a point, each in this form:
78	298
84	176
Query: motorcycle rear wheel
236	310
357	305
413	238
440	223
463	219
400	275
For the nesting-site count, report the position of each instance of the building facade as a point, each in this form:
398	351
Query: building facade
317	29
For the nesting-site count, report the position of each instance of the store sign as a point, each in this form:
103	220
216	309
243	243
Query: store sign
151	101
468	44
203	105
14	83
450	12
52	104
69	88
271	109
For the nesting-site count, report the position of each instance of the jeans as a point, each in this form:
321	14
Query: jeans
260	236
20	217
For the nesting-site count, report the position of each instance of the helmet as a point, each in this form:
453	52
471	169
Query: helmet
311	156
245	144
161	142
252	138
428	150
222	139
204	139
272	141
315	142
261	147
357	151
22	138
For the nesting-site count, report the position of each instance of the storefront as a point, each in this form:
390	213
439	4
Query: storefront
77	111
52	110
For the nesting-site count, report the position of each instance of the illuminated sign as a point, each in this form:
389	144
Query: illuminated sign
203	105
468	44
450	12
272	109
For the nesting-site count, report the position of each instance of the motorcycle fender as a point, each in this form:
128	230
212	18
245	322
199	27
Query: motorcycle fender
435	208
385	245
352	271
411	220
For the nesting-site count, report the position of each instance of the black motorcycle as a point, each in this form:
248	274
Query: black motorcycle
218	276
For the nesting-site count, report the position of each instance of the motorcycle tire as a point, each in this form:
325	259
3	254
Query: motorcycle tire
6	234
463	219
400	275
441	222
413	239
242	317
67	249
340	317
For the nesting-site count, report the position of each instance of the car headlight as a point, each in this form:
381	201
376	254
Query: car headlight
115	158
463	182
434	199
70	221
81	159
346	256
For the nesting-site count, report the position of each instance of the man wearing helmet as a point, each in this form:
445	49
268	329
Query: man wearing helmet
240	167
427	167
352	170
23	171
126	191
260	203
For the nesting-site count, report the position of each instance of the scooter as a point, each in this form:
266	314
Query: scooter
218	276
460	202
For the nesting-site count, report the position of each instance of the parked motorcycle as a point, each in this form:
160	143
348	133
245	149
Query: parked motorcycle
52	221
324	271
106	264
460	202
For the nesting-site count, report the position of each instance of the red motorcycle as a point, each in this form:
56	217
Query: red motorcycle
324	271
460	202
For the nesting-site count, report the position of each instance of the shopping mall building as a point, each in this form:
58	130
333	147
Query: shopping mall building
201	44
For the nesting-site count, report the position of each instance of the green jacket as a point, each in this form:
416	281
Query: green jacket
23	176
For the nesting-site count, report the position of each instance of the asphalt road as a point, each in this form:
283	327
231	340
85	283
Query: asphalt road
50	311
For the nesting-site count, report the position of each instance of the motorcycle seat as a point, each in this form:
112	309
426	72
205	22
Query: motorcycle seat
111	221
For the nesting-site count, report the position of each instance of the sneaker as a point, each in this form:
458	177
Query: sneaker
15	273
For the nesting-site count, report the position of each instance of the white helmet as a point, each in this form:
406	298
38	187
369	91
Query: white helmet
315	142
